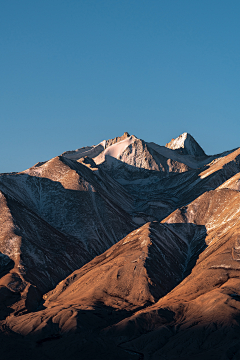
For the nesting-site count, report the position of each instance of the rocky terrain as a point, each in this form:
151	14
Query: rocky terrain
122	250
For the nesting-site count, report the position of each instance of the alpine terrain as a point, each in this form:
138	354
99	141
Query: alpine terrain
124	250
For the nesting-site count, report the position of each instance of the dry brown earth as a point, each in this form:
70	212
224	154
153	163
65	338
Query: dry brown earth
135	257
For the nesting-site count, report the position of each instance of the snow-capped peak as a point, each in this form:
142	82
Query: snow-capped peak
115	150
186	144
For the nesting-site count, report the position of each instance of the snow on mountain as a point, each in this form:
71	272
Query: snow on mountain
90	151
132	156
125	277
188	159
95	150
115	150
187	145
129	243
62	206
206	302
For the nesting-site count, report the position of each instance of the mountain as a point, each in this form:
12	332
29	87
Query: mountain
187	145
125	249
199	318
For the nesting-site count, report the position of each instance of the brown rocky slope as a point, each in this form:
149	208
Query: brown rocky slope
130	251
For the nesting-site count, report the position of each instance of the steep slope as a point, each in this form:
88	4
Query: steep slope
132	274
95	150
29	262
56	217
233	183
186	144
125	250
128	275
217	210
200	317
133	154
159	178
158	196
71	198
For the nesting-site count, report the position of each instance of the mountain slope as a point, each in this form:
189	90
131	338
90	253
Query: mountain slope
55	219
186	144
125	250
200	317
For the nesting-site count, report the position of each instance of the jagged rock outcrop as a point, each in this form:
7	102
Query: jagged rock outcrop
125	250
187	145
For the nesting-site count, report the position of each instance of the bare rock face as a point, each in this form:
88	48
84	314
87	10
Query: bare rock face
95	150
116	139
186	144
122	250
54	221
205	304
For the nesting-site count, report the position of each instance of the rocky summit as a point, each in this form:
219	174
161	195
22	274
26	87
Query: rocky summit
123	250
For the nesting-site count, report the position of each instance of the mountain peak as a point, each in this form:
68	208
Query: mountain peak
116	139
186	144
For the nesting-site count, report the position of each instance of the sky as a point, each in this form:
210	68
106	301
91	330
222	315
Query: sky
76	72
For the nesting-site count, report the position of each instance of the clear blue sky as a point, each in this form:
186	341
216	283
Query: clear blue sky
75	72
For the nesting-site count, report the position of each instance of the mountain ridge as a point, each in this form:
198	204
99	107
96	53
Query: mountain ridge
105	250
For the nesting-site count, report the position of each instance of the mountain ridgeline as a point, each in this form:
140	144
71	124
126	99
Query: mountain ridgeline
122	250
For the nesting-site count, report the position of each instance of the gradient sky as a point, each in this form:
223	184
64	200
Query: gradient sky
75	72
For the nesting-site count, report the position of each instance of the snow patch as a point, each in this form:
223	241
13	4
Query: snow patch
90	151
179	142
188	144
115	150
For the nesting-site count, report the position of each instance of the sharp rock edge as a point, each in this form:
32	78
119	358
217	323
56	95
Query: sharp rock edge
125	249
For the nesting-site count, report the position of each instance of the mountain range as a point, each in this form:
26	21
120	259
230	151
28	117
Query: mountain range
123	250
